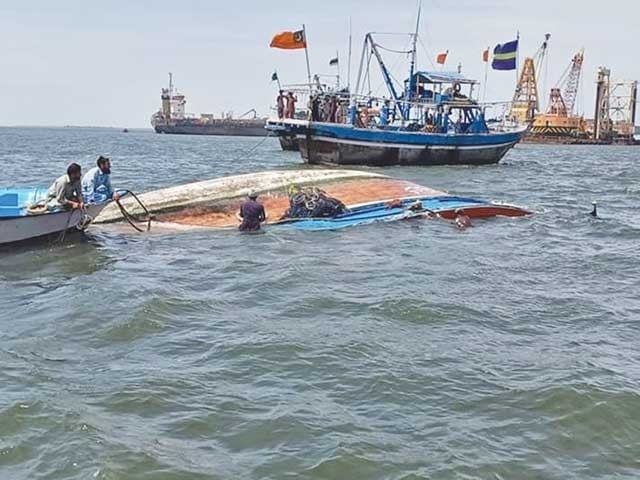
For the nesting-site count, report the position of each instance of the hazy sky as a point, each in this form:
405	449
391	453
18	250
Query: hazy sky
80	62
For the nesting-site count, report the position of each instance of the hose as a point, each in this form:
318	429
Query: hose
129	217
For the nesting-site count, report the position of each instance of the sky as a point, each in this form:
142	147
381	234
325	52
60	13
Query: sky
79	62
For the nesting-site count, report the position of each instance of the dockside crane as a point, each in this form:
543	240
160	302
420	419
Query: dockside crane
560	120
525	102
571	80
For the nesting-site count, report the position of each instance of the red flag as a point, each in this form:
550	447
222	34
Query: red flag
289	40
485	55
442	57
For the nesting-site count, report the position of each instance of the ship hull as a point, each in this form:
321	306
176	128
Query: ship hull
221	130
331	144
289	143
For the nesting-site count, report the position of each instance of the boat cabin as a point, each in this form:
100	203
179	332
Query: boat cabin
443	102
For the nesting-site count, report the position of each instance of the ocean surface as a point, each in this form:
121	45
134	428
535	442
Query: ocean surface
409	350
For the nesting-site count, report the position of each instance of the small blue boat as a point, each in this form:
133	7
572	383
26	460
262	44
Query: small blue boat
443	206
19	222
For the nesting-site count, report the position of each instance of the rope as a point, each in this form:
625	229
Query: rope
63	233
252	149
130	218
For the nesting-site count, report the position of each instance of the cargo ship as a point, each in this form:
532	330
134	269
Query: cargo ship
172	118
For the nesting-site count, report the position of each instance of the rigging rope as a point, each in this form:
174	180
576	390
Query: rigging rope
392	50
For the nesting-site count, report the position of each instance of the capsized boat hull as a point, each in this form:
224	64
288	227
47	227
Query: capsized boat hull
333	144
443	206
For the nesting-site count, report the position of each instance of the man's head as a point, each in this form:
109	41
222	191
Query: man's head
459	211
253	195
281	92
74	171
104	164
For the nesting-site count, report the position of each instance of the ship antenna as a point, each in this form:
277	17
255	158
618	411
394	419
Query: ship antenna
170	83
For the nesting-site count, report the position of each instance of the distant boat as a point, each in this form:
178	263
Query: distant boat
428	120
173	119
17	224
126	130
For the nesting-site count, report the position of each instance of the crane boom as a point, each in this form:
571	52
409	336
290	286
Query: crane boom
573	82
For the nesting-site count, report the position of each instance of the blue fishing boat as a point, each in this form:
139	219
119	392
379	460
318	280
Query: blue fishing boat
432	118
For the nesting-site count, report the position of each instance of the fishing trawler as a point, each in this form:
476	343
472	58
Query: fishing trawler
172	118
431	119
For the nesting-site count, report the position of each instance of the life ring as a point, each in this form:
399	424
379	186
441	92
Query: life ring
457	87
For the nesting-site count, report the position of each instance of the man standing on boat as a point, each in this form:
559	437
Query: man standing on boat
251	213
280	104
291	105
66	191
96	183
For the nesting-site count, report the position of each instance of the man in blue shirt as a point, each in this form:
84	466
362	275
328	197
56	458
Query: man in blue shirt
96	183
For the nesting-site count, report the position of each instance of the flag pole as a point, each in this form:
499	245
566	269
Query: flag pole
306	54
278	80
486	72
338	74
517	56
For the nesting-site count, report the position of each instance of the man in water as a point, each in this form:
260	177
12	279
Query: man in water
96	183
462	220
66	191
251	214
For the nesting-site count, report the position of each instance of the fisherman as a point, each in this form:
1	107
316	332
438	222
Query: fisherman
384	114
66	191
96	183
251	213
291	105
333	108
353	112
280	104
462	220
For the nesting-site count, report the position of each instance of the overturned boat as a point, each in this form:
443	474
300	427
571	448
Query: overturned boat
20	222
408	208
215	203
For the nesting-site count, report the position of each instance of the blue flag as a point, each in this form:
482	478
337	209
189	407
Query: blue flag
504	56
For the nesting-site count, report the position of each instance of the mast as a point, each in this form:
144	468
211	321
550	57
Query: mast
385	74
306	54
349	60
412	80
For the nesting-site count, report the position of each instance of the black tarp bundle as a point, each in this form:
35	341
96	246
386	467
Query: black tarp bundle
313	203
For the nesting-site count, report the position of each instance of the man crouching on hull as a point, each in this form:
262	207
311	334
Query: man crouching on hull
66	191
251	214
96	183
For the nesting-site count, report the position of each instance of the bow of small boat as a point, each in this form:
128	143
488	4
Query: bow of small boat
18	223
